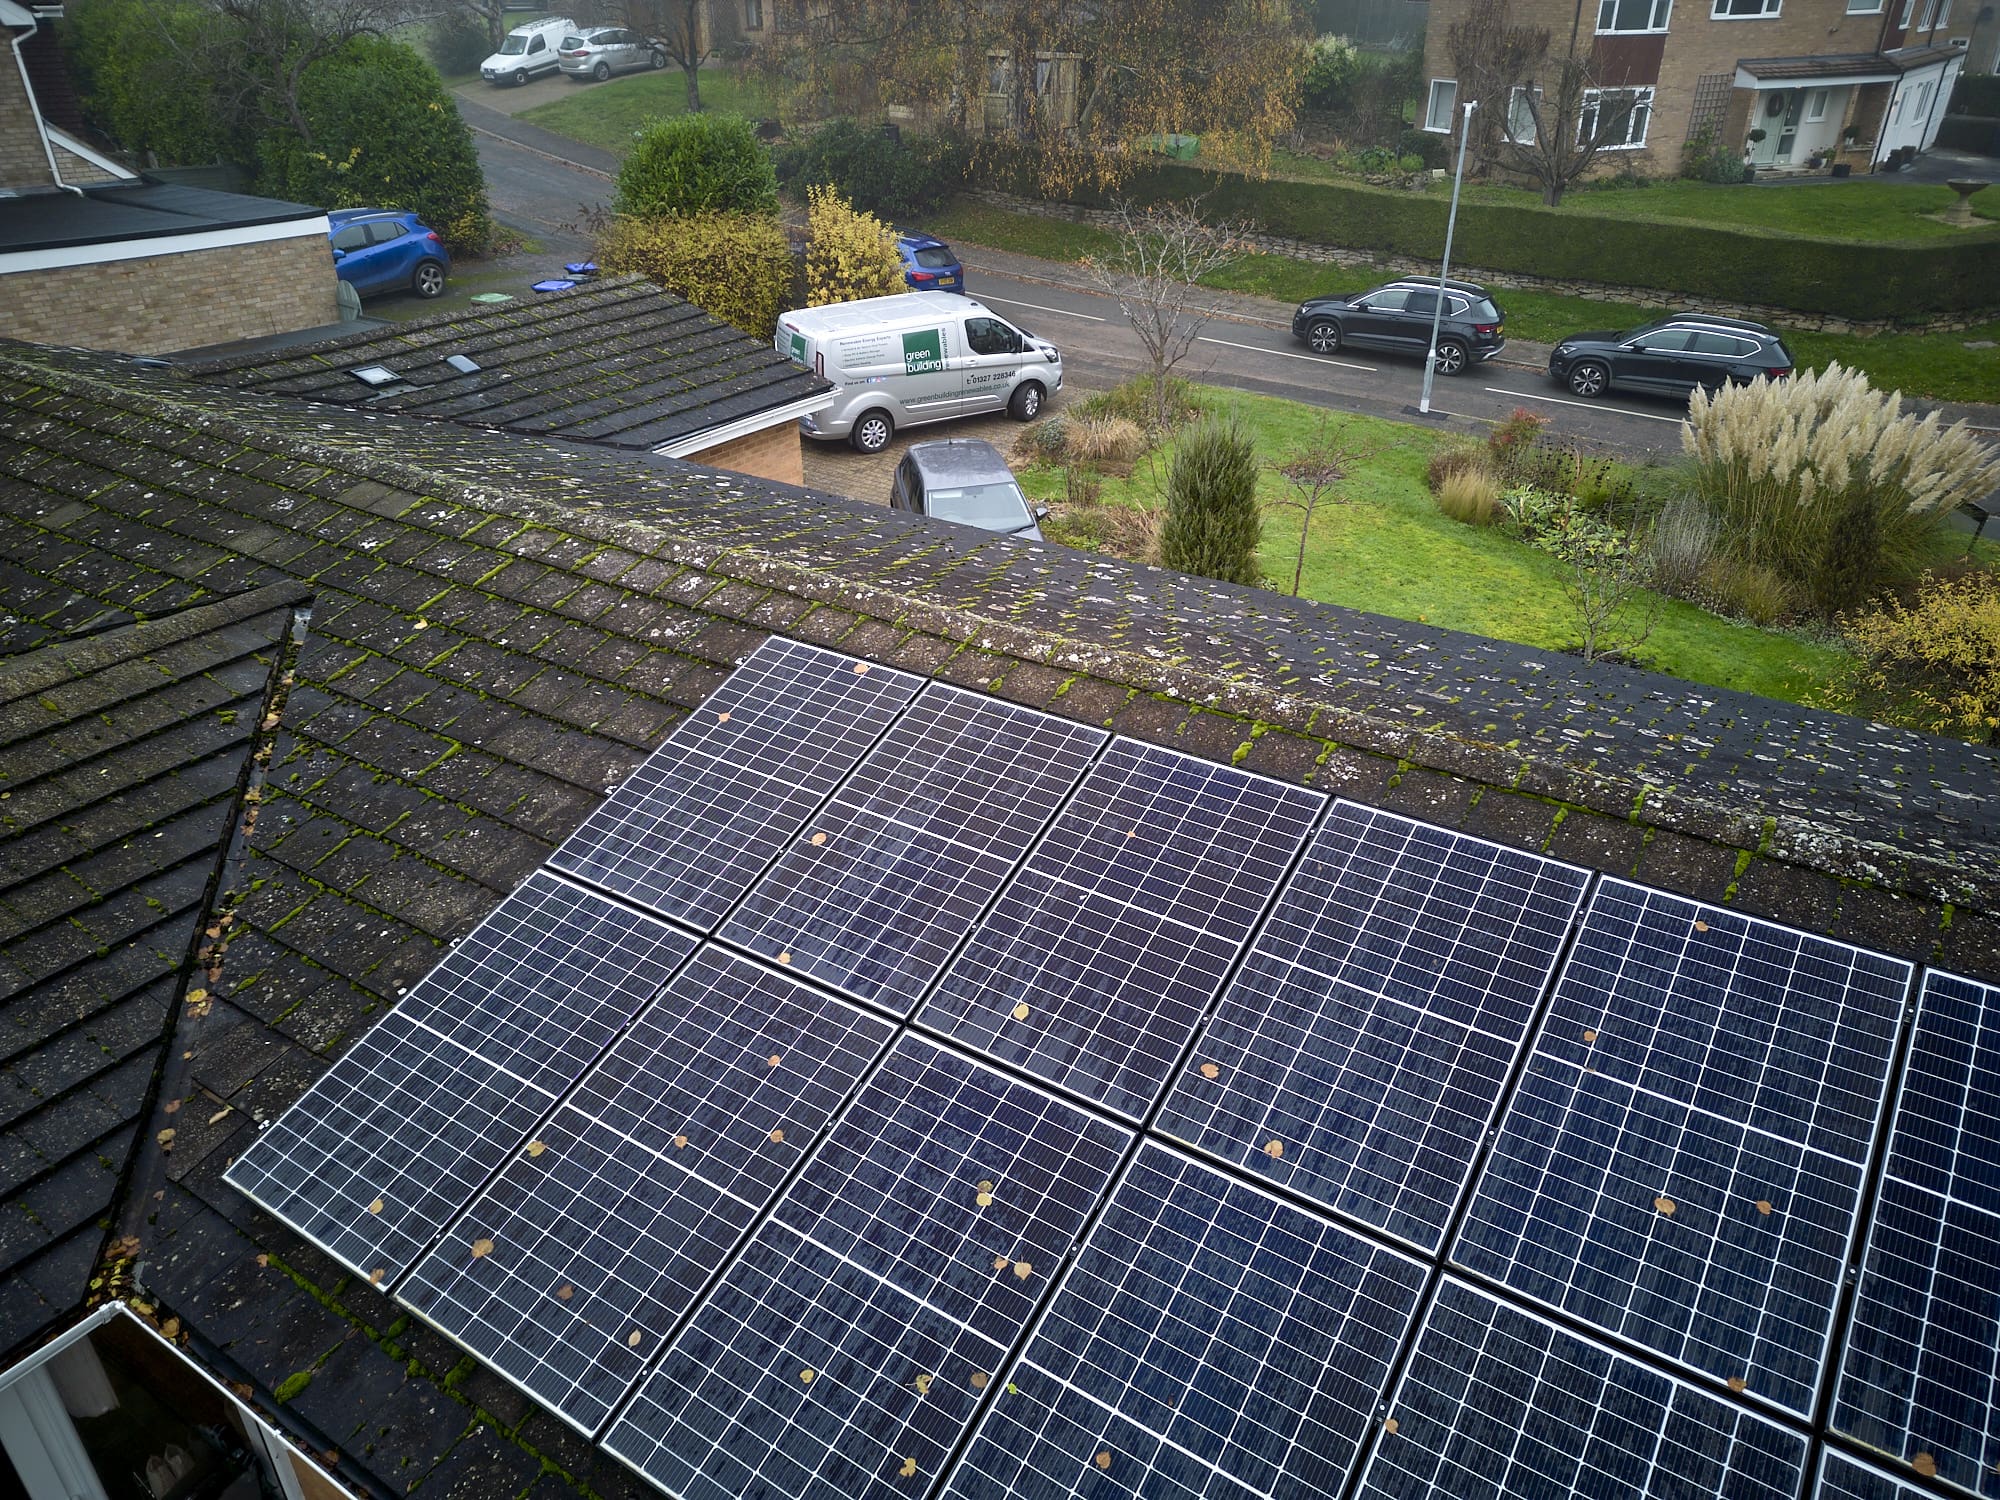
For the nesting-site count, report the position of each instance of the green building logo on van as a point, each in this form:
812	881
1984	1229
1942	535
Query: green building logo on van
799	349
923	353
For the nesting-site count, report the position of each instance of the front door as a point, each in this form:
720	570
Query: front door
1788	134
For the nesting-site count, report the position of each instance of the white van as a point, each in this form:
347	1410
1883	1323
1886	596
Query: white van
914	358
526	51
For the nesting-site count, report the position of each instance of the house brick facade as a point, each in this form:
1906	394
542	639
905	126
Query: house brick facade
774	453
24	160
155	304
1801	70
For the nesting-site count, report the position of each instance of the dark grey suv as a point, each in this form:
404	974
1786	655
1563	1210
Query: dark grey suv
1396	317
1670	357
964	480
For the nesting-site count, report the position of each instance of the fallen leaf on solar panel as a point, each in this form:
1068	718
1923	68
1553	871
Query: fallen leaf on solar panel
1274	1149
1103	1460
1701	927
785	957
1390	1426
1925	1465
680	1142
375	1207
1023	1270
979	1379
774	1059
536	1148
923	1385
777	1137
1665	1205
1590	1036
861	670
805	1377
1737	1383
1021	1011
722	718
565	1291
375	1276
818	839
1210	1070
481	1249
635	1338
909	1468
1763	1205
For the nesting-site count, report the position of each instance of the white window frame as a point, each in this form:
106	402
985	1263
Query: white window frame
1519	126
1864	7
1431	111
1923	97
1944	13
1642	100
1909	9
1719	11
753	15
1658	13
1927	18
1816	105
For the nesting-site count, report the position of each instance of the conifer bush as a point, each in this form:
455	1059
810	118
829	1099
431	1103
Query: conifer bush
1828	482
1213	525
850	255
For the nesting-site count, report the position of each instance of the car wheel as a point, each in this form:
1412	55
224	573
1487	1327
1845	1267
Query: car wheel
520	77
872	431
429	279
659	61
1451	357
601	72
1324	337
1589	379
1026	402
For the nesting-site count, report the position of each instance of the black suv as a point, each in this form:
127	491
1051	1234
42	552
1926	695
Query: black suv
1670	357
1396	316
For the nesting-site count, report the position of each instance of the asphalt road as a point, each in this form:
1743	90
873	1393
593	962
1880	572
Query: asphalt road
543	184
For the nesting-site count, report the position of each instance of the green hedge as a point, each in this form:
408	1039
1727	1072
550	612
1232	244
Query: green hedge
1842	278
1977	94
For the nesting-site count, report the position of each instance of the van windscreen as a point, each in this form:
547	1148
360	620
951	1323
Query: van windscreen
514	46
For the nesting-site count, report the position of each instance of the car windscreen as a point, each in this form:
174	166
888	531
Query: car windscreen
996	507
934	257
514	46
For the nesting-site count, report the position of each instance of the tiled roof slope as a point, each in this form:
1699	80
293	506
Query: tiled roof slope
617	362
500	630
120	759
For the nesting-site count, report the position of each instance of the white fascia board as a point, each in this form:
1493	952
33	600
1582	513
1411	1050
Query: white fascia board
1745	79
75	147
64	256
714	437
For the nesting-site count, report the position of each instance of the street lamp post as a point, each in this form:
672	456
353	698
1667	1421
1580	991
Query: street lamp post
1450	223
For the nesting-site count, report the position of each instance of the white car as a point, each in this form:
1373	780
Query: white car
527	51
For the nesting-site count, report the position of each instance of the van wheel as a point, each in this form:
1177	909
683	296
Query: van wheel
520	77
1026	403
872	431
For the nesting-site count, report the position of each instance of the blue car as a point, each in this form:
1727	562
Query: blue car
382	250
929	264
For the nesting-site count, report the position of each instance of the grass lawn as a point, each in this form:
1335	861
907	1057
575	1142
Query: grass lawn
1391	551
1938	365
1856	208
606	114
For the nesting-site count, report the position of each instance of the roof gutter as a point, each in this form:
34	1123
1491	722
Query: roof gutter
711	437
28	93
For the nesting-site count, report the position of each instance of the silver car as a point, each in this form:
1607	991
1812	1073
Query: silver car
967	481
601	51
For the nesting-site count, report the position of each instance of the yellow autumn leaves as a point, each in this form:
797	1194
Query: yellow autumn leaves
849	254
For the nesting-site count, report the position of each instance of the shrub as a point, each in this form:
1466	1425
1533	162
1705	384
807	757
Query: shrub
458	42
1826	482
1511	439
1454	456
385	134
1934	663
1212	524
1332	64
897	180
1594	483
1135	401
1679	547
735	266
1706	159
131	57
849	254
1097	440
1471	495
1048	438
1745	591
696	164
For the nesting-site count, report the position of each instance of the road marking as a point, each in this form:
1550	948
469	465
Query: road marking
1061	312
1623	411
1315	359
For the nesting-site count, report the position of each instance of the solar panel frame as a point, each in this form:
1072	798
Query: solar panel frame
414	1117
1360	1054
1181	1356
765	748
881	1294
568	1271
1492	1399
1919	1372
877	893
1117	933
1844	1478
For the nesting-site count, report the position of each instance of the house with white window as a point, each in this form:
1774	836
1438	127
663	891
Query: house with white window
1850	81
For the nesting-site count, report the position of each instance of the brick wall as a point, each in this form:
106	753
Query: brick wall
23	162
160	303
770	454
81	171
1696	46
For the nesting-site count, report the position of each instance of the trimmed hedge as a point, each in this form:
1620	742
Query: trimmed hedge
1842	278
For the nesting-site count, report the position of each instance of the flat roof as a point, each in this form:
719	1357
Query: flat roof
133	211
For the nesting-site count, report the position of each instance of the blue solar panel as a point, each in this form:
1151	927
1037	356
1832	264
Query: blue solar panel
1360	1053
877	892
1208	1340
689	831
1498	1402
845	1348
1844	1478
396	1136
1682	1163
1920	1374
569	1270
1106	948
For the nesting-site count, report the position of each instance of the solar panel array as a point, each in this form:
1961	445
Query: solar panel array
1049	1114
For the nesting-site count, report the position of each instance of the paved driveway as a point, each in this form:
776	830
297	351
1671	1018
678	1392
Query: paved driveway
836	467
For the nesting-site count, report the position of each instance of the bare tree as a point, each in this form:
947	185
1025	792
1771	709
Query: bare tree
678	28
259	51
1603	582
1155	272
1491	56
1566	125
1314	473
491	16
